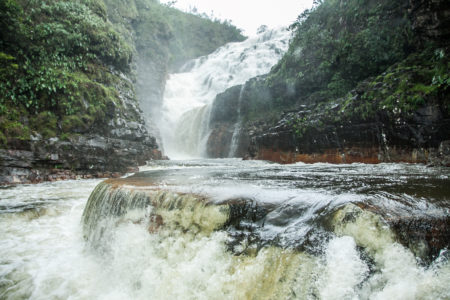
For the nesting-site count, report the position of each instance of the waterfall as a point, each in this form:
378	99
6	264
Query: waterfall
237	127
184	119
110	205
187	246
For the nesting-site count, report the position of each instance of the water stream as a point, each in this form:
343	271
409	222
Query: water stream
226	229
184	119
237	127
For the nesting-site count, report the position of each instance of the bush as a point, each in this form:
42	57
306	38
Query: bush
51	42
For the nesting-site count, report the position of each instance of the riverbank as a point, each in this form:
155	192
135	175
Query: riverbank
81	157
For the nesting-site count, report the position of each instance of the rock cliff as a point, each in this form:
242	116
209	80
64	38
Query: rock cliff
109	147
400	114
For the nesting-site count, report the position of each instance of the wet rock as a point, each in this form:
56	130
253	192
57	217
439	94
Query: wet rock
425	236
442	156
155	222
224	116
92	155
431	19
225	106
245	211
219	141
322	135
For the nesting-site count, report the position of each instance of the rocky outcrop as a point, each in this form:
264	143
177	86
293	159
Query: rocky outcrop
426	237
248	222
361	127
223	118
229	117
79	157
318	133
109	147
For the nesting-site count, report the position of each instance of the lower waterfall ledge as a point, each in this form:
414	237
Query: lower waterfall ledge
168	213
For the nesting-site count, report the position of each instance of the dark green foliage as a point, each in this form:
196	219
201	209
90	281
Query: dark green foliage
45	123
396	94
410	84
61	61
13	125
51	42
352	62
339	43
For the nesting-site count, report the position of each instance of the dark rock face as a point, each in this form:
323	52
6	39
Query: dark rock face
225	106
106	149
418	138
219	141
82	157
224	118
316	132
431	19
230	109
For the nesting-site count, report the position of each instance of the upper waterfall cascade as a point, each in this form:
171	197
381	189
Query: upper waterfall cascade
188	96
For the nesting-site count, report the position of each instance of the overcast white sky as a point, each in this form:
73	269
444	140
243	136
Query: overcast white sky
249	14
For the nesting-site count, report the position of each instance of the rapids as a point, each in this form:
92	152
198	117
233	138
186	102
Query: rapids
227	229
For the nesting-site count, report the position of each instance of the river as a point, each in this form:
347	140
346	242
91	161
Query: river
308	235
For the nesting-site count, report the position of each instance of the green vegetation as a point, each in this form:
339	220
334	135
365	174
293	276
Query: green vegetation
51	41
337	44
178	36
54	57
351	60
406	86
397	93
61	62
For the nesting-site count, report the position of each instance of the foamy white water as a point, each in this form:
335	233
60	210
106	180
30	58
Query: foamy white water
43	254
185	115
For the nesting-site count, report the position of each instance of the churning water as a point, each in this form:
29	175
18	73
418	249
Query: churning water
189	94
227	229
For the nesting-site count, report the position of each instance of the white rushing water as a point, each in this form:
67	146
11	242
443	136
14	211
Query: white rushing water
237	126
185	115
43	254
